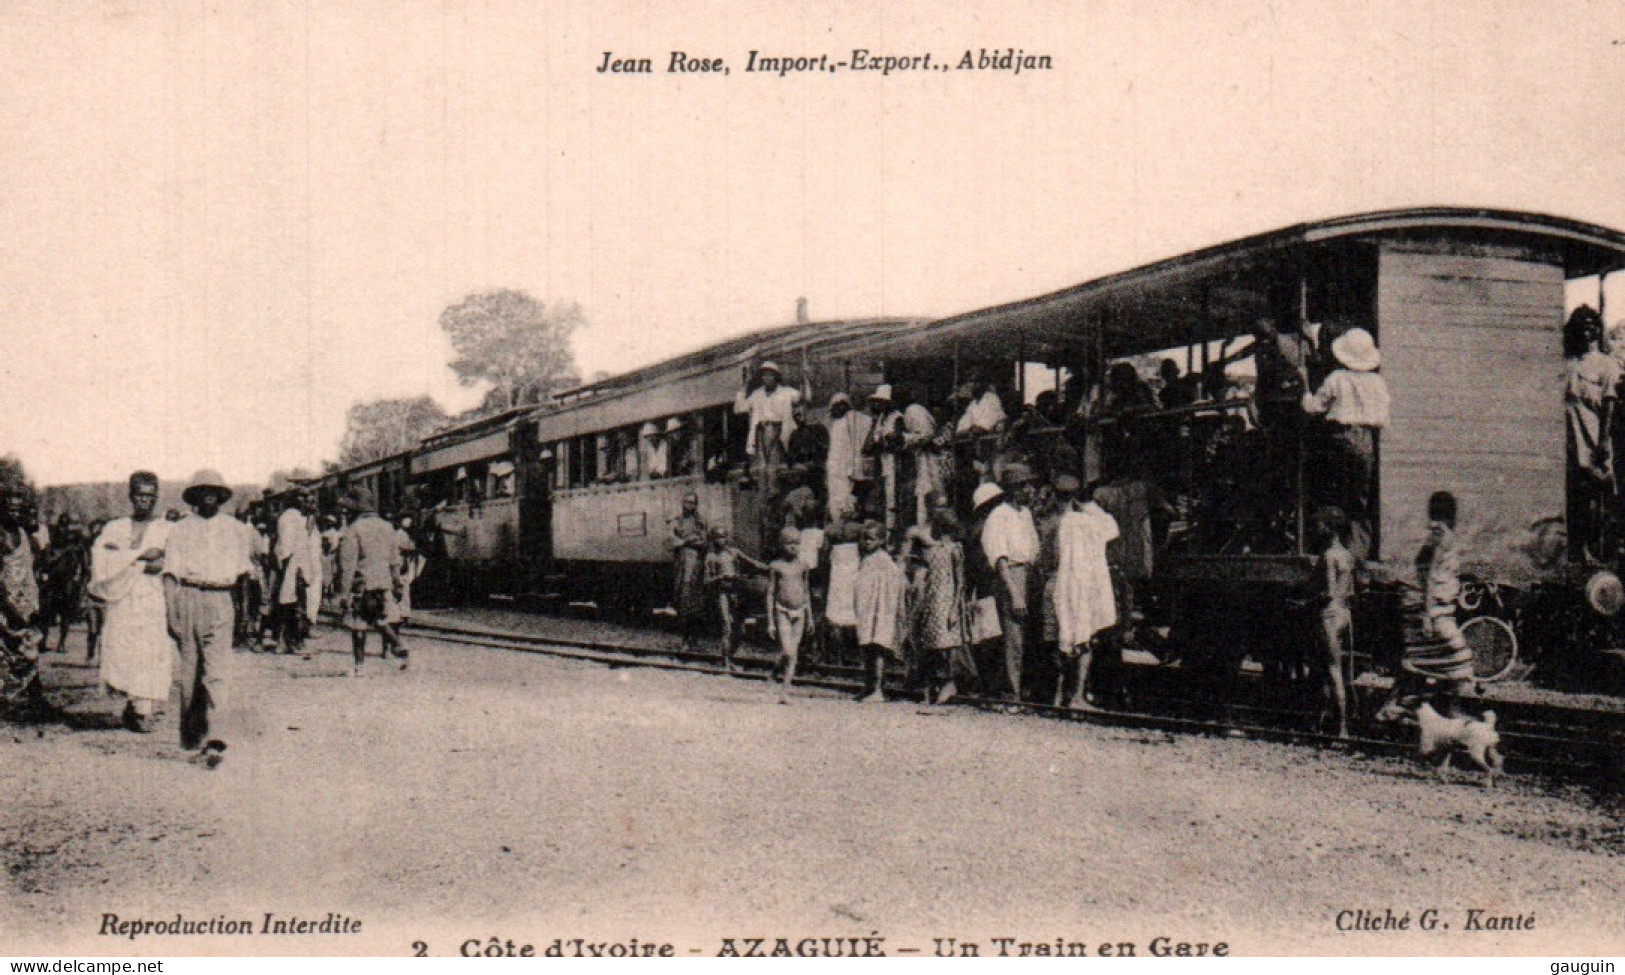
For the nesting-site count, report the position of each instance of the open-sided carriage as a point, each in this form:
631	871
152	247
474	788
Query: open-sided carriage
1467	307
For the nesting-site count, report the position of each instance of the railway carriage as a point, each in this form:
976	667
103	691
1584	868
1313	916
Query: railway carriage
576	498
612	461
465	482
385	479
1467	307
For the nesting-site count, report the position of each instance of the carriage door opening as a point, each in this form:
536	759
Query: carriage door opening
536	466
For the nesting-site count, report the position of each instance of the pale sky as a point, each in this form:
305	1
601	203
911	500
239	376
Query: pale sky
223	223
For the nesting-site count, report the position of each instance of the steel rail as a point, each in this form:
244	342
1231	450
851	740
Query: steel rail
1532	752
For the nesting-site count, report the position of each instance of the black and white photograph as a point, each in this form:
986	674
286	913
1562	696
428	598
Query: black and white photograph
842	479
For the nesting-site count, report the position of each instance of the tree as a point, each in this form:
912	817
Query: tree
11	471
514	342
388	426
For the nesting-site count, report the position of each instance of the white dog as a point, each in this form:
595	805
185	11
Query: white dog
1443	737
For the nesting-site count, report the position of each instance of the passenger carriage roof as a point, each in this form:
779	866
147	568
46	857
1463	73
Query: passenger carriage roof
706	376
1198	295
781	341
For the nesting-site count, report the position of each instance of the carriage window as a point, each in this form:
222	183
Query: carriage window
626	440
654	446
561	462
584	460
716	435
682	446
606	457
501	479
472	481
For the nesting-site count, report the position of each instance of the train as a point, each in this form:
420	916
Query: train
573	500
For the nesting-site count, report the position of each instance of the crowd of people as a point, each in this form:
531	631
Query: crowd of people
974	546
168	599
977	545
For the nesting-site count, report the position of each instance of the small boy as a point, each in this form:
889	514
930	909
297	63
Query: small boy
721	578
789	606
880	593
1336	582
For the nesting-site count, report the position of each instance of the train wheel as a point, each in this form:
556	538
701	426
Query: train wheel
1494	646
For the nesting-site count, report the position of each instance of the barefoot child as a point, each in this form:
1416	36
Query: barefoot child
722	583
789	606
879	595
1336	580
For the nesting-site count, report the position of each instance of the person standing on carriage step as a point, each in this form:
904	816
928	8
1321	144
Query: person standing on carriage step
205	557
808	445
689	540
919	440
885	440
370	579
298	573
848	429
770	405
1010	546
1278	390
1355	401
127	564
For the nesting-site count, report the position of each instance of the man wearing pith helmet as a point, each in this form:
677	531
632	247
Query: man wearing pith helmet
204	557
770	406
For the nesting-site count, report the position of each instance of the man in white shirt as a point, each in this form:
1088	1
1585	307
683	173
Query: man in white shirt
1355	401
770	408
204	556
656	452
985	414
1010	543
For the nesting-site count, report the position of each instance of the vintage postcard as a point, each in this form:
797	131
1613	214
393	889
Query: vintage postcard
847	479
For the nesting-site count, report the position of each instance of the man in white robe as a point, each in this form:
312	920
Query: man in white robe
298	574
1085	604
848	429
127	559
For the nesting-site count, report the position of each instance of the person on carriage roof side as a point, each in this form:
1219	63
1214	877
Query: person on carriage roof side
1355	401
769	405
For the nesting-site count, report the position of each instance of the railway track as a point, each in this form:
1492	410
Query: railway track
1534	738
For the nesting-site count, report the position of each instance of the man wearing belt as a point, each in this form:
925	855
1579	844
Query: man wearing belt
204	557
1010	544
769	406
369	579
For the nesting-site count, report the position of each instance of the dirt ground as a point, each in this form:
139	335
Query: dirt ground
487	793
